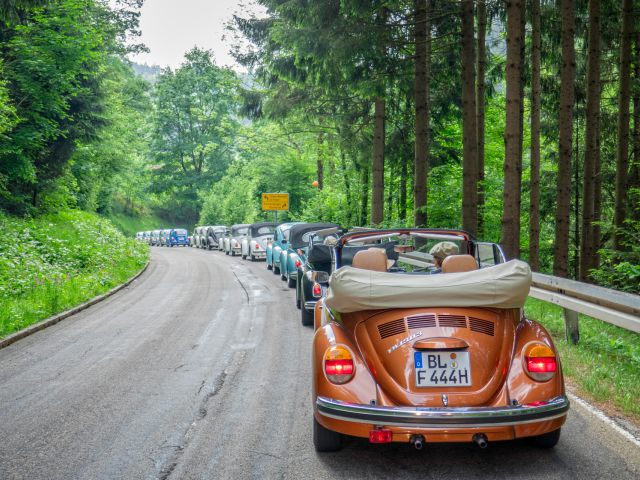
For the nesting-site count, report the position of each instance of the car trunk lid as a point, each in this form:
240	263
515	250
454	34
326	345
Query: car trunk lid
452	342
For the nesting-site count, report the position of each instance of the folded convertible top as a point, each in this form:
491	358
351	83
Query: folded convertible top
501	286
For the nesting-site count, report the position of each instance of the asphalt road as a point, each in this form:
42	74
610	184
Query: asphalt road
200	369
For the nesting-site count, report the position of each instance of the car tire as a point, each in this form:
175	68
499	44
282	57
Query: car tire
233	254
276	270
291	283
226	252
253	258
298	301
546	440
269	266
326	440
306	316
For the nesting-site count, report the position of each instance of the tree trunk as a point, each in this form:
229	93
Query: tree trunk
592	134
402	197
481	12
622	160
634	180
377	179
469	129
534	189
347	189
421	94
364	197
513	140
563	192
320	162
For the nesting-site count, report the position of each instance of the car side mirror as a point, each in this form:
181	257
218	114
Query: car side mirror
321	277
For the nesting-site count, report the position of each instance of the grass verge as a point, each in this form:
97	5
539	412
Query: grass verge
131	224
605	365
55	262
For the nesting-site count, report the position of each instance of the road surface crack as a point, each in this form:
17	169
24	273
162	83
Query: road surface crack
246	292
172	462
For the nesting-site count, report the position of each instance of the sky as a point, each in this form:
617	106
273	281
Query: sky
170	28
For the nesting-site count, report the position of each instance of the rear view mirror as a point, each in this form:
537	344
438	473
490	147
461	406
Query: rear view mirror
321	277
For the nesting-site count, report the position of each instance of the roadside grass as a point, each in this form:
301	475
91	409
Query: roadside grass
54	262
604	366
129	224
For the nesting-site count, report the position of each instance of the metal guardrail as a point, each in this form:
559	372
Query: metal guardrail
610	306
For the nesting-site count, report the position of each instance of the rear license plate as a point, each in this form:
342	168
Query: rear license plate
439	368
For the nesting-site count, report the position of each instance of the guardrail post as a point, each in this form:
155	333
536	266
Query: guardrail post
571	327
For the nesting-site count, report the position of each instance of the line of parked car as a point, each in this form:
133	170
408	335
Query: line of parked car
167	237
420	334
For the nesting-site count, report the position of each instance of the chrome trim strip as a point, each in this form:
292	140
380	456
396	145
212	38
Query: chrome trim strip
439	417
310	305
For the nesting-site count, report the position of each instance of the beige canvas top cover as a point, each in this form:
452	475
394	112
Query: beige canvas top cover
501	286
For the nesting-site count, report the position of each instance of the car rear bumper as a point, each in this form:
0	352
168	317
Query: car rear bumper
310	305
443	417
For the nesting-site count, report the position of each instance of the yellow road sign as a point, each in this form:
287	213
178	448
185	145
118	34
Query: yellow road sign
275	201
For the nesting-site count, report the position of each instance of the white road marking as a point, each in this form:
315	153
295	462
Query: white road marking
606	419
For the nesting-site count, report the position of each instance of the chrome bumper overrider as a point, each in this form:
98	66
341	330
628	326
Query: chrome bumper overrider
310	305
443	417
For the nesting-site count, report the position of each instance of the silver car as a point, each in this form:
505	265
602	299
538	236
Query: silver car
254	245
232	245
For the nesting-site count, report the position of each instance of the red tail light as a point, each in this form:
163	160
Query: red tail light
338	365
317	290
257	246
298	264
382	435
540	362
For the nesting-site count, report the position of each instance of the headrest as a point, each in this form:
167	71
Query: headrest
459	263
371	259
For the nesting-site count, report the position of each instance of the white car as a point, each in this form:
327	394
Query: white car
232	241
254	245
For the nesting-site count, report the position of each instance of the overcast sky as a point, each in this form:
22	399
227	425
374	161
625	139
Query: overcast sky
170	28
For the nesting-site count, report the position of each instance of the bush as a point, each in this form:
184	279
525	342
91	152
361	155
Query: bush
54	262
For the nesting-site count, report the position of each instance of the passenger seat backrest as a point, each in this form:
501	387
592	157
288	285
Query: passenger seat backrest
459	263
371	259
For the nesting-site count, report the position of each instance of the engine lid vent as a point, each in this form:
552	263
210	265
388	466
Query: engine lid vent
481	326
457	321
394	327
421	321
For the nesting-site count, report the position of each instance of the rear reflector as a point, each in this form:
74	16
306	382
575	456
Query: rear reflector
380	436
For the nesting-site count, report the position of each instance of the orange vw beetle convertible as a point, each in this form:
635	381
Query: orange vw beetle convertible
401	354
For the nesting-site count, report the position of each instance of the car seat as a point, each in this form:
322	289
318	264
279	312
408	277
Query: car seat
371	259
459	263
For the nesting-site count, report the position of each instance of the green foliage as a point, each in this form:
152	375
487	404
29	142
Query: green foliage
194	130
55	58
270	160
56	261
111	169
605	364
620	270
